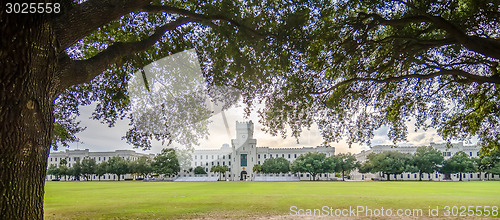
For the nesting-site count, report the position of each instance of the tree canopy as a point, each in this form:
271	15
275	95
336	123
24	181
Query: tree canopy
388	162
349	66
313	163
166	162
427	160
276	165
459	163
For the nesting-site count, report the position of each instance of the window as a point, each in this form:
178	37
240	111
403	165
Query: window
408	175
99	158
448	153
258	156
243	161
295	156
195	157
259	161
69	164
414	175
206	170
282	155
223	163
470	154
104	158
265	156
195	163
401	175
56	159
69	159
477	154
229	163
51	159
288	156
206	164
212	157
229	156
212	163
223	157
277	156
206	157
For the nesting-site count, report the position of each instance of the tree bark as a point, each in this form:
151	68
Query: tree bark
27	92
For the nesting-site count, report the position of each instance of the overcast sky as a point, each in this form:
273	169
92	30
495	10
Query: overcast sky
179	74
99	137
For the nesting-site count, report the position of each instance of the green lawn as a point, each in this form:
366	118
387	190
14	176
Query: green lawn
159	200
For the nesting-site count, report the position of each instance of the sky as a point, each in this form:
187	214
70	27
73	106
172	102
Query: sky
99	137
178	77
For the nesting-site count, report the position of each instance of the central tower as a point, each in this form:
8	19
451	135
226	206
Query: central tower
244	152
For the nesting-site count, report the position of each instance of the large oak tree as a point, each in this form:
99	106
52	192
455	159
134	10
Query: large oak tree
53	63
349	66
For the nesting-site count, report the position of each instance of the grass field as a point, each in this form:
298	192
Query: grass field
160	200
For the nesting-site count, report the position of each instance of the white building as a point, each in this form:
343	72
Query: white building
243	154
71	156
447	152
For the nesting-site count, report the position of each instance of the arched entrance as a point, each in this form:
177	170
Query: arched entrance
243	175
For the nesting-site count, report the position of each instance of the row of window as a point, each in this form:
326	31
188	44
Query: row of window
448	154
213	163
213	157
95	158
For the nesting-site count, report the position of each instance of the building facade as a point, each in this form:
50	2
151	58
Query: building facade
243	154
71	156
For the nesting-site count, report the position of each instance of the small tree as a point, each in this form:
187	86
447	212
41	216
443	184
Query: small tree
166	163
459	163
276	165
54	170
389	162
101	169
141	166
88	167
257	168
199	170
427	160
312	163
219	169
344	163
76	170
118	166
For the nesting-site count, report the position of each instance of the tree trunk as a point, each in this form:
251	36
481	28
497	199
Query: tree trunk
27	93
388	177
343	175
460	176
419	175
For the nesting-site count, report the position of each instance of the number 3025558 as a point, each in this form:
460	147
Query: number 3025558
32	8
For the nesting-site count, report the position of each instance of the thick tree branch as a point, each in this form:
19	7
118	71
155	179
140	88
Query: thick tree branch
201	17
83	71
486	46
83	19
469	78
